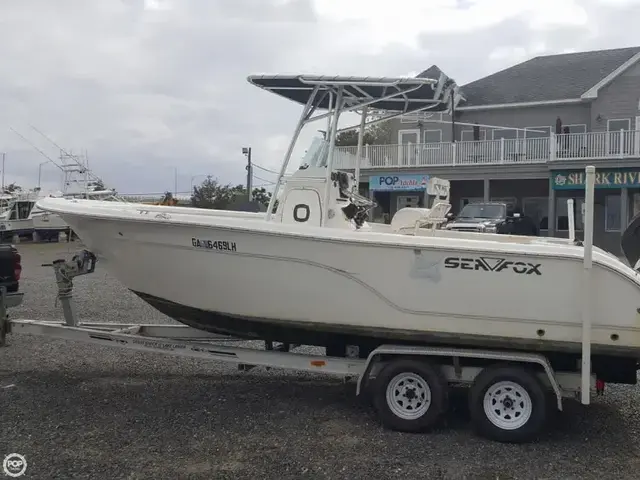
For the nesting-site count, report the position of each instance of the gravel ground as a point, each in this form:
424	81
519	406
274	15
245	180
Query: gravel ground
82	411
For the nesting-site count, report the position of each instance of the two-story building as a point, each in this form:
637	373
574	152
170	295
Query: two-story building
523	135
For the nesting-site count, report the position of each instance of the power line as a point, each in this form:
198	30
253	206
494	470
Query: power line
265	169
263	179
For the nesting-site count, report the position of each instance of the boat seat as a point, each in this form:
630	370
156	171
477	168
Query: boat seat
409	219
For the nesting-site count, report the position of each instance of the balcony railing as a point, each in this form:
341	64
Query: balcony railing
568	146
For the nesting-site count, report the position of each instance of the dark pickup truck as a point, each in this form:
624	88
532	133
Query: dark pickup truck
10	272
491	217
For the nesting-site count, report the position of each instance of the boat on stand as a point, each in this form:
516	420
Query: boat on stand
426	306
78	182
15	217
48	226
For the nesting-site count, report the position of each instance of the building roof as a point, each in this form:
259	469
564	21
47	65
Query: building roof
432	72
546	78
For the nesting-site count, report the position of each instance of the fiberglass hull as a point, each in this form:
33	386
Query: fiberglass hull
308	285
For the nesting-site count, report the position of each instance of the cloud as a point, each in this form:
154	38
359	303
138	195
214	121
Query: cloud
147	86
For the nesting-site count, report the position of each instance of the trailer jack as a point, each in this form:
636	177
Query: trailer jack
82	263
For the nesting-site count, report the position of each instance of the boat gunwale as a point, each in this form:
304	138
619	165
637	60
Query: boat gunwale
379	240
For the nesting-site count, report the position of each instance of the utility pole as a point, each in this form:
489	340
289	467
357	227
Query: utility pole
175	182
3	156
247	151
40	171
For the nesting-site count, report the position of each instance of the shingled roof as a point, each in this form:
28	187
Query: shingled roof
546	78
432	72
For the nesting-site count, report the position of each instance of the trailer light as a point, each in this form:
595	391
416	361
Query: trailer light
318	363
17	265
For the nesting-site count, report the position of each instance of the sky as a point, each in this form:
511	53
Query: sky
155	91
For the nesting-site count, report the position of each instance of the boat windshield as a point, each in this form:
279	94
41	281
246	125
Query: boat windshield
317	154
482	210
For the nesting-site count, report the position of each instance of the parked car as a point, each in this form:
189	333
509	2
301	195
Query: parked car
492	217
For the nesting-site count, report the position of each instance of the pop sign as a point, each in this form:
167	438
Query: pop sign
390	183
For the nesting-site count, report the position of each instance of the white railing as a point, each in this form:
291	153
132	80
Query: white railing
569	146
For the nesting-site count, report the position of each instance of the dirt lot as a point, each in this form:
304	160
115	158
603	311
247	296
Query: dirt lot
81	411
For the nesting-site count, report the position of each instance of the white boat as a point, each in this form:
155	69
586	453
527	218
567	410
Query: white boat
15	217
316	272
48	225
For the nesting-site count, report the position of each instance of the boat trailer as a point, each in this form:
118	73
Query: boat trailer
401	379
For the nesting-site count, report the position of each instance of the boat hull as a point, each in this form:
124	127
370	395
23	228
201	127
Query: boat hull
340	335
367	285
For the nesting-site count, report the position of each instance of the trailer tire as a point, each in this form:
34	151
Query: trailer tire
508	404
409	395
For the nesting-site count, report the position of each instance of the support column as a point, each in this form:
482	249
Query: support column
372	197
551	218
624	209
487	193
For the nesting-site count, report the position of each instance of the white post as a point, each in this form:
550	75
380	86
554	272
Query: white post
502	150
585	388
363	121
329	112
287	157
332	146
621	143
572	220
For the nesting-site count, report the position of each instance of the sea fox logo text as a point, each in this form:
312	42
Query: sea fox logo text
493	264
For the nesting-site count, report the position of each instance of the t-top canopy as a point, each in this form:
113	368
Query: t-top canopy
394	94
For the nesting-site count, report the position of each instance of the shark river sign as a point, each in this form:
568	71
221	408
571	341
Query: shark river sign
609	178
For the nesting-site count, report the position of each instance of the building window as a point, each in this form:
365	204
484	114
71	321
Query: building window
507	134
618	124
537	208
617	138
562	213
467	135
432	137
612	213
537	132
636	204
577	128
574	144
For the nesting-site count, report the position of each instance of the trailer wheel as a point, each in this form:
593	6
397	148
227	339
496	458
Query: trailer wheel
507	404
409	395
